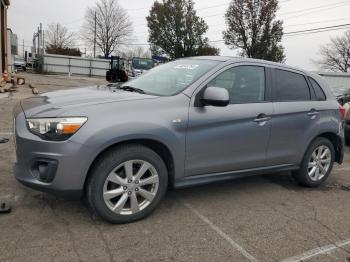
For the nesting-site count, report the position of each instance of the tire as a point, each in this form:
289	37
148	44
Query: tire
302	176
110	173
108	76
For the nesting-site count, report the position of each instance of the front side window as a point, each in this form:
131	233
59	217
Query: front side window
173	77
290	86
245	84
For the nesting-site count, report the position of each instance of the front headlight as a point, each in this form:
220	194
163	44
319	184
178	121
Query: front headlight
57	129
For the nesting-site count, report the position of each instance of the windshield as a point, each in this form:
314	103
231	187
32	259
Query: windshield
173	77
121	65
142	63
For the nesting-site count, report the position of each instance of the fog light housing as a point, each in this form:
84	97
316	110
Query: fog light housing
44	170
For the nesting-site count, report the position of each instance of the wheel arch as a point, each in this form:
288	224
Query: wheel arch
335	140
337	144
160	148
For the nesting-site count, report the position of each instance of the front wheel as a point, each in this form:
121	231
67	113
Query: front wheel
317	163
127	184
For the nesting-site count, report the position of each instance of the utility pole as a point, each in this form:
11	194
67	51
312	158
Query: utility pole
95	37
38	40
23	47
43	42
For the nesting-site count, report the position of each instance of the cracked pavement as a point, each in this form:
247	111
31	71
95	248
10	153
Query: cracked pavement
270	216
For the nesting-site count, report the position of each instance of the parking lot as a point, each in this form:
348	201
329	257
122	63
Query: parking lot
262	218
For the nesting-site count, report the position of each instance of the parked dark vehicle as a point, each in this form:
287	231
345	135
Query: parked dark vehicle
188	122
20	64
347	128
140	65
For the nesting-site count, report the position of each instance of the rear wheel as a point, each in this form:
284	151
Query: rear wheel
317	163
127	184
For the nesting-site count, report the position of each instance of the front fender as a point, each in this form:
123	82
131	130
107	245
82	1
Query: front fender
163	120
107	137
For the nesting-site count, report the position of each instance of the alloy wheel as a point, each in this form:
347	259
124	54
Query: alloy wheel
131	187
319	163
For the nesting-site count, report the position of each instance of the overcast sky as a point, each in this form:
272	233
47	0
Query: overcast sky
25	16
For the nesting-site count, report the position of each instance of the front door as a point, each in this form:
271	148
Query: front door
235	137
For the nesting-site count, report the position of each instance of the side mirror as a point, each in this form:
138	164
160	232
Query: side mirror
215	96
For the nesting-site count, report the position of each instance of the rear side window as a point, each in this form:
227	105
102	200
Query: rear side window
320	96
290	86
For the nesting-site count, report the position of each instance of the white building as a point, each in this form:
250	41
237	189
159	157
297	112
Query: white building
337	80
12	51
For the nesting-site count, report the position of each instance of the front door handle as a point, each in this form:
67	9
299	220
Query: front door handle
262	118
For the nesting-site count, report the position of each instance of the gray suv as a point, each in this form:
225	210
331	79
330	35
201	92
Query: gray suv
188	122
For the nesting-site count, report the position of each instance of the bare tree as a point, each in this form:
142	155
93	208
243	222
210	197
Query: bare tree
141	52
58	37
111	24
138	51
336	54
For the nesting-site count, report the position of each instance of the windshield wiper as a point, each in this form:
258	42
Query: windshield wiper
131	89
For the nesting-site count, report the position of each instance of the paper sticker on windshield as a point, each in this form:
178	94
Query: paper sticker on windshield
187	67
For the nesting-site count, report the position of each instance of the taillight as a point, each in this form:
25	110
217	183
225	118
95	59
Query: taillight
342	111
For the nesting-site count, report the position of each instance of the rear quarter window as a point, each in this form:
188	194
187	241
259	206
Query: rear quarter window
290	86
320	95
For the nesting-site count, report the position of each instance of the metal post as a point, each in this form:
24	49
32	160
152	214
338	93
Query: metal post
90	69
38	33
23	47
95	37
43	42
40	37
69	68
34	46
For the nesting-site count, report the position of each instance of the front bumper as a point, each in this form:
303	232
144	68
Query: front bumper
68	166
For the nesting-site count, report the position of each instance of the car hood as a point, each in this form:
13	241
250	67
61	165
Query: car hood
54	103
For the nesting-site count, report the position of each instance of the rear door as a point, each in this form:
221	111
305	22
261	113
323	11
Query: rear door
295	118
234	137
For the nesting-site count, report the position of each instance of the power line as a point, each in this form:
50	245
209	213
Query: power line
315	29
311	23
313	8
316	32
326	8
310	31
319	22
